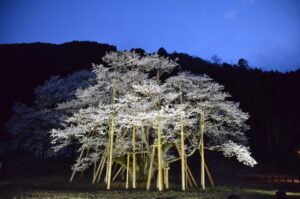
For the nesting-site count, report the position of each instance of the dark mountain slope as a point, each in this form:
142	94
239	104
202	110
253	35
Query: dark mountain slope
271	98
25	66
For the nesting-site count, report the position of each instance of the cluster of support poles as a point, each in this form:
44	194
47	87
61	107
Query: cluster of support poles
162	181
187	178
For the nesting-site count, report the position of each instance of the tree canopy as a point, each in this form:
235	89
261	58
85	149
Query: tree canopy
129	97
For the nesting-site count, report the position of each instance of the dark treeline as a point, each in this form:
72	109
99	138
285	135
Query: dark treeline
25	66
271	98
273	101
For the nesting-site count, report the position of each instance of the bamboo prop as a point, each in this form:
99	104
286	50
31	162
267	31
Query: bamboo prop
186	176
188	179
183	172
74	171
191	176
183	177
188	171
150	167
118	172
108	149
86	154
101	170
107	158
122	174
106	171
127	171
211	181
94	170
209	176
202	151
160	177
133	159
157	181
167	177
166	174
102	162
159	150
145	139
147	136
111	138
80	156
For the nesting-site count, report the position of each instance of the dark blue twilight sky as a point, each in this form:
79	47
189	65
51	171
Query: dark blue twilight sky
265	32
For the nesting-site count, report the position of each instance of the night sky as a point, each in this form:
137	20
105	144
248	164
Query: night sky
266	33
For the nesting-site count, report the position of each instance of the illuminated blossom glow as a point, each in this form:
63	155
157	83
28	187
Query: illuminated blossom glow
77	110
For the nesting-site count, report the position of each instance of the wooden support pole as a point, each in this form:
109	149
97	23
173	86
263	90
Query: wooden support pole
108	152
182	151
110	155
209	175
188	179
118	172
96	173
211	181
74	171
122	174
191	176
133	159
160	159
183	170
80	156
101	170
147	136
202	151
107	156
167	177
159	150
111	143
157	181
164	174
102	161
106	171
186	166
86	154
150	167
127	170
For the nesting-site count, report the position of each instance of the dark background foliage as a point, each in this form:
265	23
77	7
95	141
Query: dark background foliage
271	98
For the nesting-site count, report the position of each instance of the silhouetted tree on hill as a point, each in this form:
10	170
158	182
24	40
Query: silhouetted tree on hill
242	63
138	50
162	52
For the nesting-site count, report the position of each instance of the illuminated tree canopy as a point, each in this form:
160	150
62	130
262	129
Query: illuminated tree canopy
137	113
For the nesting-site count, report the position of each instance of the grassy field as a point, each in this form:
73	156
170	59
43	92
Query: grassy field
58	187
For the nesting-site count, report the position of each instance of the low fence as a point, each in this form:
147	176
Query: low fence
274	178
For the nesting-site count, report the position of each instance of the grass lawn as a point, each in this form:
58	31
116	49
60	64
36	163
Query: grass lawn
58	187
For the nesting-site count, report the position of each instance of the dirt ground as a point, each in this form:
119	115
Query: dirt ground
58	187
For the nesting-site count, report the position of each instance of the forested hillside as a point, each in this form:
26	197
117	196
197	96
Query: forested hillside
271	98
25	66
